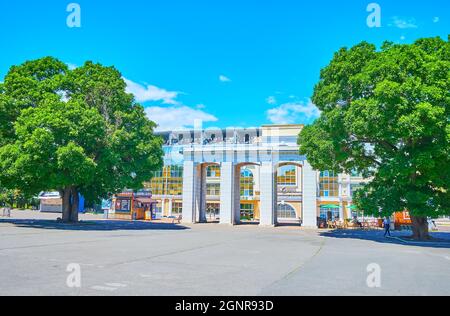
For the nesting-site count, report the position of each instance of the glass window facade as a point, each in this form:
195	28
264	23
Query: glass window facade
247	183
213	189
213	180
123	206
329	214
168	182
213	211
329	184
287	176
213	172
286	211
158	209
247	212
177	208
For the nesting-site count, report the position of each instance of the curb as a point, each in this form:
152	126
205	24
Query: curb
439	243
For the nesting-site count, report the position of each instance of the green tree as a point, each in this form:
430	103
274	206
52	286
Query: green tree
15	198
385	114
76	131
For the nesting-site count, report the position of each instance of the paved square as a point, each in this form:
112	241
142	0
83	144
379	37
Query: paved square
123	258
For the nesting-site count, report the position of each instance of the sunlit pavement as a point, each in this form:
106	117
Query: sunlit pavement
124	258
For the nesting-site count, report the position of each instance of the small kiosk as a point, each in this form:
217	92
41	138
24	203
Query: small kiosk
129	205
402	220
50	202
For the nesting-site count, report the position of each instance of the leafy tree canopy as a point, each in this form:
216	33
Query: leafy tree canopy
385	114
77	131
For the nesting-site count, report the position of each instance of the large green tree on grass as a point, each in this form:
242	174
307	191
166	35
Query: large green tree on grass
385	114
77	131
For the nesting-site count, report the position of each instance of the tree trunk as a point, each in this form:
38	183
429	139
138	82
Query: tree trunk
65	195
75	203
70	204
420	228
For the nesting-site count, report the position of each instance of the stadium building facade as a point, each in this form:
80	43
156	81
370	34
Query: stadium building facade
236	176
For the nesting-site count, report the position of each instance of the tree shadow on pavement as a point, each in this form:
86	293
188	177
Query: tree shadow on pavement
92	225
440	240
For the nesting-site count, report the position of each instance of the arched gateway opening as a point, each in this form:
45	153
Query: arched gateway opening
265	193
248	194
289	194
208	204
213	193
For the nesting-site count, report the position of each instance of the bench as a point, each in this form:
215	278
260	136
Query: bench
175	218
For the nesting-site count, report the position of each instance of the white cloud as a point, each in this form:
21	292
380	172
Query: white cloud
174	116
404	23
436	19
223	78
271	100
151	93
177	117
293	112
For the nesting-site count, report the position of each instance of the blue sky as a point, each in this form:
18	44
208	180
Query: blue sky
228	62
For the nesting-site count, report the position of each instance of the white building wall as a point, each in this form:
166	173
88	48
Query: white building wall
237	195
268	194
200	210
189	192
170	206
227	193
309	196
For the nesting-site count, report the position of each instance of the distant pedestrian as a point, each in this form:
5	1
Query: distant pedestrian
432	225
387	226
6	211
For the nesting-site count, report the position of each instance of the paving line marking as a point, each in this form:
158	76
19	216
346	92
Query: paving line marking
116	285
104	288
146	276
150	258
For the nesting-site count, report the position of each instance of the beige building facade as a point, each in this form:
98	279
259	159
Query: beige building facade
238	176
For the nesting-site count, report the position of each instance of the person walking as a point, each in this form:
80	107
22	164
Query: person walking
6	211
387	226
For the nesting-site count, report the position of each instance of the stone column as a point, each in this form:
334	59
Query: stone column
170	206
237	195
309	196
268	189
191	191
163	207
227	193
350	203
349	210
201	200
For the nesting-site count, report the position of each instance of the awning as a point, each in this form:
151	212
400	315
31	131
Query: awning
144	200
330	206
